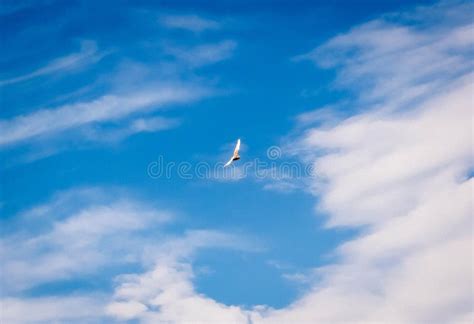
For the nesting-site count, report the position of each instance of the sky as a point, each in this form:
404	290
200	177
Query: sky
354	185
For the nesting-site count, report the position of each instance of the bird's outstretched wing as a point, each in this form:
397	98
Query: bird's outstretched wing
237	147
228	163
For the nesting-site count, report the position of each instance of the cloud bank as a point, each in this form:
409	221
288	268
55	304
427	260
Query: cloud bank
399	173
95	234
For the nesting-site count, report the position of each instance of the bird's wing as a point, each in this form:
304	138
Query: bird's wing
237	147
228	163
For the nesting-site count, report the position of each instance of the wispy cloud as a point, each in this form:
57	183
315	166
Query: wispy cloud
87	232
203	54
325	115
119	107
104	109
189	22
12	7
69	238
139	125
365	58
399	171
87	55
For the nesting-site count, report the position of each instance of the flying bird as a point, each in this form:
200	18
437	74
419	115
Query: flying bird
236	155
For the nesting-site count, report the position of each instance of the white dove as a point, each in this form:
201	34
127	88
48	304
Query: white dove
236	155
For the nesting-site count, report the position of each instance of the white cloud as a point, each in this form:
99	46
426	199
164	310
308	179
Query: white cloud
169	296
68	238
86	232
166	292
379	58
189	22
86	56
318	116
126	310
117	104
373	151
104	109
204	54
399	172
139	125
402	177
152	124
62	309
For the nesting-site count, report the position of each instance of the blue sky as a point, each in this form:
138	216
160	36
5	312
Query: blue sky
93	94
